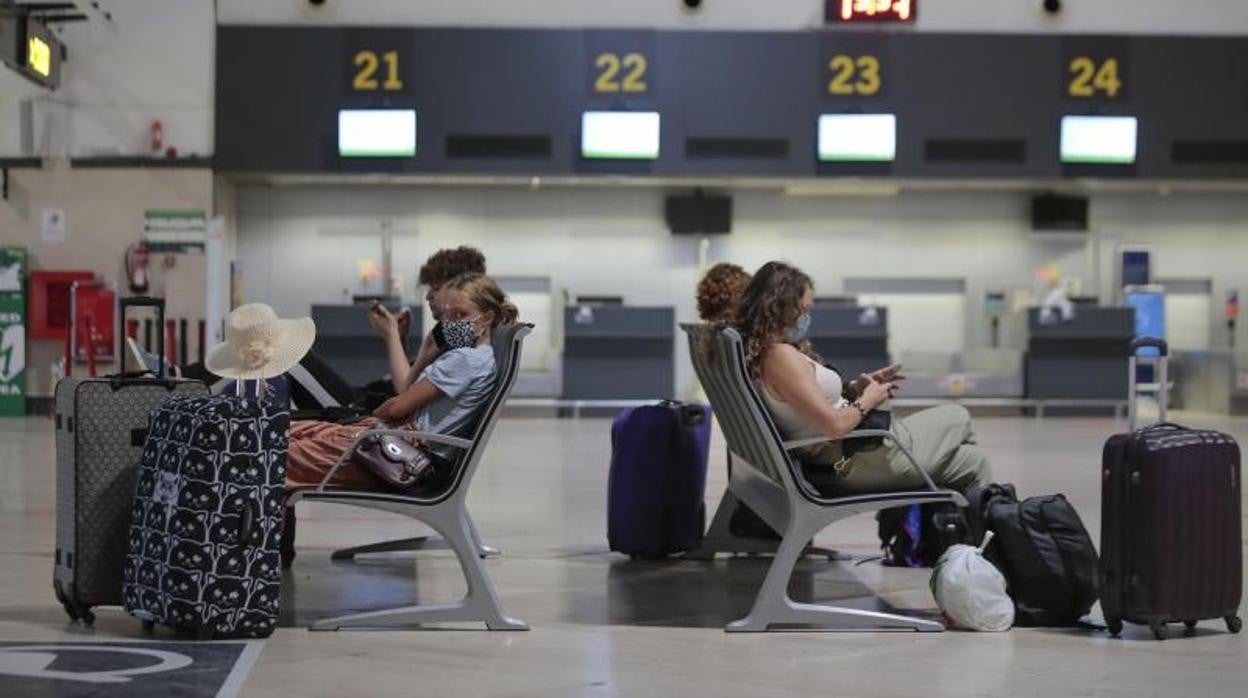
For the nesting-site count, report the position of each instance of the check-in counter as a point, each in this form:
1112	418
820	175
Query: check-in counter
1083	358
618	352
346	341
852	339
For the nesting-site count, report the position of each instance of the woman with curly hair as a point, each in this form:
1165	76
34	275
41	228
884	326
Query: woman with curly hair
719	292
808	400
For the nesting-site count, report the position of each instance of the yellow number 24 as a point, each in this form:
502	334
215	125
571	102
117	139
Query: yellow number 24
367	62
1087	78
854	76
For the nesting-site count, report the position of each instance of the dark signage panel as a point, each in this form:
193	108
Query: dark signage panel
870	11
730	103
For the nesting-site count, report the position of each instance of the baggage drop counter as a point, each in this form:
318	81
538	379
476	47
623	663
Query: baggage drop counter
346	341
1083	358
853	339
618	353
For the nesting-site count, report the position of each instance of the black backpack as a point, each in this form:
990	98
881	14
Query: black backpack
917	535
1042	548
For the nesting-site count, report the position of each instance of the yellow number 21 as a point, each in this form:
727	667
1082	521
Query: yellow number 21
367	62
1087	78
854	76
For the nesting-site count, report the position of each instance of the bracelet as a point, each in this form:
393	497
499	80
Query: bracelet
858	407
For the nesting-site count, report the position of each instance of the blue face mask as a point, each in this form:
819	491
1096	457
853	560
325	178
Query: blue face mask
801	329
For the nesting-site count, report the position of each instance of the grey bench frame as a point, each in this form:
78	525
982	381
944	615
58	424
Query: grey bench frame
446	512
766	478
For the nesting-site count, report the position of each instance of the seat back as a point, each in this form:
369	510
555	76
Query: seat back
507	340
719	361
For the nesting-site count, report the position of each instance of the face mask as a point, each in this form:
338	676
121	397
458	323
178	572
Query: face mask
460	334
439	339
801	329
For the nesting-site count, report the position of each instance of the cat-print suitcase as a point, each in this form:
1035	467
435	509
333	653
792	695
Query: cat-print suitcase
206	525
100	424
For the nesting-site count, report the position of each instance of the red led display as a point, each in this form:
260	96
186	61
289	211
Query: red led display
853	11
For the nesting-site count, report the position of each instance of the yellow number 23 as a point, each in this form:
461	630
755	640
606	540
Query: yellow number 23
854	75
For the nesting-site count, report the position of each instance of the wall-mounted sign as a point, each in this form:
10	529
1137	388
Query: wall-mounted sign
854	11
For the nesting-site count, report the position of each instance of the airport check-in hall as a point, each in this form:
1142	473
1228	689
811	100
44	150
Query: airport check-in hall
366	347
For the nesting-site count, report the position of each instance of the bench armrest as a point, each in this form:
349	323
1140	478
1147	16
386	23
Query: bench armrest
453	441
865	434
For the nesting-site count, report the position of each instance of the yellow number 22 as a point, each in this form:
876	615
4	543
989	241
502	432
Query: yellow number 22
1088	79
854	76
368	62
610	64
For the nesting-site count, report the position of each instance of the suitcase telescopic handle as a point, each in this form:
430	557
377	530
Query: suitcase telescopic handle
1156	342
145	302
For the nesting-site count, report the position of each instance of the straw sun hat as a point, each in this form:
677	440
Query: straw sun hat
258	344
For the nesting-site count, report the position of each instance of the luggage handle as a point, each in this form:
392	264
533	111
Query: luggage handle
1155	342
125	380
144	302
246	521
1162	377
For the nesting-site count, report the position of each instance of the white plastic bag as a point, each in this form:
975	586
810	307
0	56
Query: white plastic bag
971	590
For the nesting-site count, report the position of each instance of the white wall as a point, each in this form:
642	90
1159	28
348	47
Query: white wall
153	62
1078	16
613	241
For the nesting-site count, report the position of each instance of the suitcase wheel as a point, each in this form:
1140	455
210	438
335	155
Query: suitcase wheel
70	610
1159	629
1189	628
88	618
149	626
1114	625
1234	624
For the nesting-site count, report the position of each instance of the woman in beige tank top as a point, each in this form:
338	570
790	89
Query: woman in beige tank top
806	400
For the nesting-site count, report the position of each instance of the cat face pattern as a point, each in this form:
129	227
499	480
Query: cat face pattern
205	462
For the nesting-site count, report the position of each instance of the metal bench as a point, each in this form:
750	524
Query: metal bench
769	481
444	511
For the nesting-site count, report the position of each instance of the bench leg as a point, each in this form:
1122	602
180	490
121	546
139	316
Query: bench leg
480	603
404	545
389	546
719	538
773	606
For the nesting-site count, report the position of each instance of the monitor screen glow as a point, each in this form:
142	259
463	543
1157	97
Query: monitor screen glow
857	137
376	133
620	135
1098	140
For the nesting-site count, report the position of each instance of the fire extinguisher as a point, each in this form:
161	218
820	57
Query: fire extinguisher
136	267
158	138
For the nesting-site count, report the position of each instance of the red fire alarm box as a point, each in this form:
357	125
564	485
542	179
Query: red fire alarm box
48	310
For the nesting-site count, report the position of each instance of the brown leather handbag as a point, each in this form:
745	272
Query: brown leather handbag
394	460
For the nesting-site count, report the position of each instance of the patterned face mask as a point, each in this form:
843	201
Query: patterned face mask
459	334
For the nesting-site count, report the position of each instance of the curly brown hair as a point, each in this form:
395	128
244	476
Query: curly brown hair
444	265
770	306
720	290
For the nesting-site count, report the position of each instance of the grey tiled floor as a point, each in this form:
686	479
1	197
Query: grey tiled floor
605	626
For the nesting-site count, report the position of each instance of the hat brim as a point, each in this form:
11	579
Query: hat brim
295	338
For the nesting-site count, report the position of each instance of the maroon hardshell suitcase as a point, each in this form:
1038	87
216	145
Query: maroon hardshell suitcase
1171	546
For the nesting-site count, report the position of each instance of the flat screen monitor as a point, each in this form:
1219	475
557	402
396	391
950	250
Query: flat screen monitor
857	137
376	133
1098	140
620	135
1057	212
698	214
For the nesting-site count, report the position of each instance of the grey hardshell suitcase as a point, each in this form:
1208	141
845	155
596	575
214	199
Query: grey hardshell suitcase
101	425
